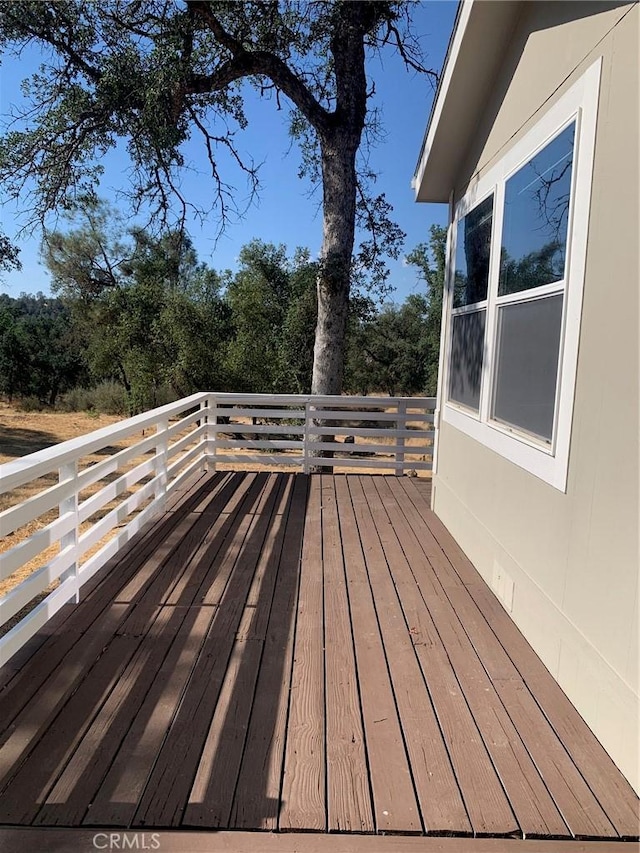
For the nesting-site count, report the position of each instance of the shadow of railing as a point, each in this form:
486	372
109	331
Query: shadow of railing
238	782
179	720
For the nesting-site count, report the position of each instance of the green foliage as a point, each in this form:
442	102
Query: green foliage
9	255
387	352
78	400
273	310
108	398
31	403
430	259
39	356
396	350
90	258
148	313
295	349
154	74
140	321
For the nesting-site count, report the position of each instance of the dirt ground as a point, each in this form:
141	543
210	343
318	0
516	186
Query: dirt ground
26	432
22	433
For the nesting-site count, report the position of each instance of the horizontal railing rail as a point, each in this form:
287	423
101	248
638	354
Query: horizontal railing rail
88	496
307	431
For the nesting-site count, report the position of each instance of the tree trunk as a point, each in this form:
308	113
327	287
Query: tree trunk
339	141
334	276
53	393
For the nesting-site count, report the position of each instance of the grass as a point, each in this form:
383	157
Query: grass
22	433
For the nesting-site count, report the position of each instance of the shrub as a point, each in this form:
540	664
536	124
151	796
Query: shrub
31	403
110	398
76	400
165	394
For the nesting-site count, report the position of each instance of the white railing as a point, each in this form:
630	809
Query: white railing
296	429
98	504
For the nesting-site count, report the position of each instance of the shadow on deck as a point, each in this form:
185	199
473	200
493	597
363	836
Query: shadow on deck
297	654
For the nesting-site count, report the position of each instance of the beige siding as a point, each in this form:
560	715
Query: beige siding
573	558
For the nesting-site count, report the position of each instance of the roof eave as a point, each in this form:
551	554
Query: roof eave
469	71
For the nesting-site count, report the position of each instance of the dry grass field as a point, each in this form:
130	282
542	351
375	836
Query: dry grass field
22	433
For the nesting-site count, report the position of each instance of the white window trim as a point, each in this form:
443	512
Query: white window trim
548	463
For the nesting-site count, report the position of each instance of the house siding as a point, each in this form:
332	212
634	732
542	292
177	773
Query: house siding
573	558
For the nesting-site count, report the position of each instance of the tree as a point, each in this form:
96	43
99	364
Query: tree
257	297
389	350
93	256
14	364
39	355
155	72
197	321
9	255
272	303
295	355
431	259
147	311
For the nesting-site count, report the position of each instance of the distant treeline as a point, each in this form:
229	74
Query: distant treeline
135	325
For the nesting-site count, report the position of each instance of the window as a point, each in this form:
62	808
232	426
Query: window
473	246
515	290
536	216
526	365
537	200
471	279
467	345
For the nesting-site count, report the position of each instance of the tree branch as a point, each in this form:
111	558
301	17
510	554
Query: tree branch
245	63
52	34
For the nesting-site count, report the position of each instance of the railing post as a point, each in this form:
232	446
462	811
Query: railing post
212	432
204	421
434	445
161	462
305	437
66	473
401	423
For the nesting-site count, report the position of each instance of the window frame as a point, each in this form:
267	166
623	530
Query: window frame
548	462
471	307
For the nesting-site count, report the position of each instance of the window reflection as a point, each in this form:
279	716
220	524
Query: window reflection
473	247
536	214
467	350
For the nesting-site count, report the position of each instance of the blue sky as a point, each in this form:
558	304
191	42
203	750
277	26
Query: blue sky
283	213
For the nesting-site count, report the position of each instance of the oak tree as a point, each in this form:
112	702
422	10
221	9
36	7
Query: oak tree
155	72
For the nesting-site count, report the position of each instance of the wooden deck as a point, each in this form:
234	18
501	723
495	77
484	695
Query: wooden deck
298	654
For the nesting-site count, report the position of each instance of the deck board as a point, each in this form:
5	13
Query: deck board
391	780
288	653
114	802
533	806
20	839
257	795
613	792
167	789
349	803
489	813
303	804
33	778
68	800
